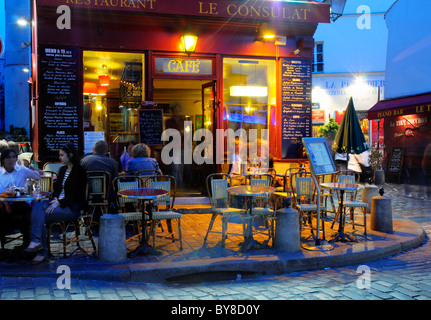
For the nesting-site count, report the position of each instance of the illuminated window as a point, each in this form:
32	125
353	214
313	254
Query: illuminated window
113	90
249	91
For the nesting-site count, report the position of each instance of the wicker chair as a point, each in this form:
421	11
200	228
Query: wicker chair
217	184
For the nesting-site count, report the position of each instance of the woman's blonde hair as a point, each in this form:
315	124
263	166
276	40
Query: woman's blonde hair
141	150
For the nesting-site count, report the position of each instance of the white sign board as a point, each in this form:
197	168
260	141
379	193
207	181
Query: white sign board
90	138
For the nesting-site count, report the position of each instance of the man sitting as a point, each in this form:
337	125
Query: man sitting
100	161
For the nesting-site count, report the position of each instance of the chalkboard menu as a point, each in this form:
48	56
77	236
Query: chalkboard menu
151	126
60	119
395	164
296	105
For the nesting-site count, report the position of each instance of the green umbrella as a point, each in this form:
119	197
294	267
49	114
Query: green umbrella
350	138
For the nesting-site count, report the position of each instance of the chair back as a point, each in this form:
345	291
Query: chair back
303	186
262	180
217	189
289	183
164	182
125	183
47	183
52	166
345	177
148	172
98	183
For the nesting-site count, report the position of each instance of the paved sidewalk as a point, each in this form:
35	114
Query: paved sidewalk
212	262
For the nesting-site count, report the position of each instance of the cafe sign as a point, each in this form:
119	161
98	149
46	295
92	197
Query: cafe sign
183	66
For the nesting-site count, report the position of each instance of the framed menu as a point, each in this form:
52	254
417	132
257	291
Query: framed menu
60	114
319	156
296	114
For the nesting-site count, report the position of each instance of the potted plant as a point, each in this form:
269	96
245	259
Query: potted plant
376	158
329	131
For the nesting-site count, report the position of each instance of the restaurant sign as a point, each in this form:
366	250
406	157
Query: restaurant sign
255	10
184	66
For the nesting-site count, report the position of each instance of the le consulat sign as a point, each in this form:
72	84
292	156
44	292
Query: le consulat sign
310	12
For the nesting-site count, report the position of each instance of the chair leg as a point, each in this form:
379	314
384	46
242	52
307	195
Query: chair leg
179	234
210	226
223	230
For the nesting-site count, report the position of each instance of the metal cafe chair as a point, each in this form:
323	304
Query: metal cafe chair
350	201
148	172
52	166
83	222
217	184
305	202
129	208
167	183
98	190
261	203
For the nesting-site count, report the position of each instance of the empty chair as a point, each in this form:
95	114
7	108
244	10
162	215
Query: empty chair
217	184
164	206
350	202
129	208
98	191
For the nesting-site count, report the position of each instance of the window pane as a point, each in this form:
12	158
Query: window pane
248	92
111	106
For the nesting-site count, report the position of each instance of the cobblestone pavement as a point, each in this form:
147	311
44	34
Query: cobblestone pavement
402	277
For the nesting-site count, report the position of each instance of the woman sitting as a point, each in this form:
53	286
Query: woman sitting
142	161
69	197
14	213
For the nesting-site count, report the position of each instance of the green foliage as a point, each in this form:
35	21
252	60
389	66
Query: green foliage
16	135
329	130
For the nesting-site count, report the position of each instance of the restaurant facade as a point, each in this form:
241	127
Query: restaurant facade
119	70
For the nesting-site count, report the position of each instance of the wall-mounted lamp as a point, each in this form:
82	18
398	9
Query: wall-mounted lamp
266	33
24	21
337	8
189	39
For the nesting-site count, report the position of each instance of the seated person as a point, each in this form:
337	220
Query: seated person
14	214
142	161
68	199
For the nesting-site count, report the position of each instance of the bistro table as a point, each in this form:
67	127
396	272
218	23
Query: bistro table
43	195
146	195
342	187
249	192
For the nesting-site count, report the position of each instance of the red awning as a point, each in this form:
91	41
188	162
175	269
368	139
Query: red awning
401	106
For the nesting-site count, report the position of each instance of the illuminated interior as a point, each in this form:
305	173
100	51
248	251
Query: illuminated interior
248	91
113	90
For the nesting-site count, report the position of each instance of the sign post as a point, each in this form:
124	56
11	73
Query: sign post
321	163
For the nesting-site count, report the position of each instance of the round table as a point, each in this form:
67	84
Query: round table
27	197
249	192
342	187
146	195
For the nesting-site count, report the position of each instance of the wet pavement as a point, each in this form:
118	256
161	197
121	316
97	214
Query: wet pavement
403	275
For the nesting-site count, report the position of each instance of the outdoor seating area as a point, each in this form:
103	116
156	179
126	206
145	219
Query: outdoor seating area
247	212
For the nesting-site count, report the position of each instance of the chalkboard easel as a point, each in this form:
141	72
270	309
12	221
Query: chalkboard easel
151	126
395	164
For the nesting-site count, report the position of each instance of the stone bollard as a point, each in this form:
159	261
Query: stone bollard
287	237
381	213
112	238
368	193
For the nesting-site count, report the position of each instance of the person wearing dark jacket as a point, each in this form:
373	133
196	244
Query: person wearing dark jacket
69	199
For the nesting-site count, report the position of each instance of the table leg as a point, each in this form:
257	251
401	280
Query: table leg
144	247
341	236
249	242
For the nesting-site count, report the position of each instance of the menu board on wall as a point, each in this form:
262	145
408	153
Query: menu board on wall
151	126
60	120
395	164
296	105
